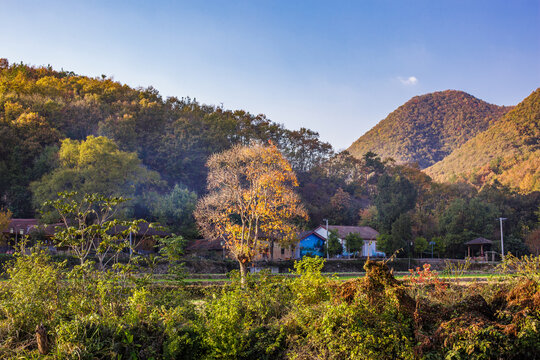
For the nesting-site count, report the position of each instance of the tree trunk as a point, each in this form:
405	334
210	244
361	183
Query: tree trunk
42	340
243	273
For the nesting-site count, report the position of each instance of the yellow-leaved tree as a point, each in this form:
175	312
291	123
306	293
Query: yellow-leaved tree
250	199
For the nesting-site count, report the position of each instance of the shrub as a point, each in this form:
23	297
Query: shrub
243	322
310	287
30	295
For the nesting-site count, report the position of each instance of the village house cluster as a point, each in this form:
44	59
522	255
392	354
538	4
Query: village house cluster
310	243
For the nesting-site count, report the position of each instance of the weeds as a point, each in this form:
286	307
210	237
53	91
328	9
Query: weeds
455	270
92	314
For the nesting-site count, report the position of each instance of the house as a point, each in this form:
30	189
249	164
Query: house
216	249
17	229
143	241
275	251
20	227
207	248
311	242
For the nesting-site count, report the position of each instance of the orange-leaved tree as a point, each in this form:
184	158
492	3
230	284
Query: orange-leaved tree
250	200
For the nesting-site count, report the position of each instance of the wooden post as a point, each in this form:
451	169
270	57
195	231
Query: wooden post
469	250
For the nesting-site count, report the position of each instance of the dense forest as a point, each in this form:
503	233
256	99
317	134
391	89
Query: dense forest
427	128
41	108
62	131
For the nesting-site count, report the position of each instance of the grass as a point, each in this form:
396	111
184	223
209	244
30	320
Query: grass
345	277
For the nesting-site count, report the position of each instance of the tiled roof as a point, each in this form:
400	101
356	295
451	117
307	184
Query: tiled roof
28	225
48	230
305	234
16	225
366	232
479	241
204	245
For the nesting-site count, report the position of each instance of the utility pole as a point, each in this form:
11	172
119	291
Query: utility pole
409	252
327	254
502	239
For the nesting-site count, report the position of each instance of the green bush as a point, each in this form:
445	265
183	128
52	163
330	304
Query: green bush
243	323
30	296
311	287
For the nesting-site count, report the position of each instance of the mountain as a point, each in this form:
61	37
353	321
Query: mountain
429	127
508	151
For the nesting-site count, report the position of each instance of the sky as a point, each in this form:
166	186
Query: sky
336	67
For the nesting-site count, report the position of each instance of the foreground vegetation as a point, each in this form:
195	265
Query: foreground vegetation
90	314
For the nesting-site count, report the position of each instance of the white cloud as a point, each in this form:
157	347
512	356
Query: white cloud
411	80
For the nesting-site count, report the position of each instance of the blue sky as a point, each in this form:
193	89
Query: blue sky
337	67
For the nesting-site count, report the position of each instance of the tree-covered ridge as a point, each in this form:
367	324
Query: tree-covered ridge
64	132
39	107
427	128
508	151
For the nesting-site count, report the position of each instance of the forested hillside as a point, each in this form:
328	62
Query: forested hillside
508	151
427	128
173	137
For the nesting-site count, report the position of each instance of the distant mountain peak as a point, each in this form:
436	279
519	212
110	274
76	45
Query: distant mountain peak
428	127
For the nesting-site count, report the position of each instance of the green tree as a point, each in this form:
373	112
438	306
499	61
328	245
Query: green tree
88	225
402	235
440	246
332	246
464	220
373	162
354	242
175	210
172	248
420	245
95	165
396	195
385	243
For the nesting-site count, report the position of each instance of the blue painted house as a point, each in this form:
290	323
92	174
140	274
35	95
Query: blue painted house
311	244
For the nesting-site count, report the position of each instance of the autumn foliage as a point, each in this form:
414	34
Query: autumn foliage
250	202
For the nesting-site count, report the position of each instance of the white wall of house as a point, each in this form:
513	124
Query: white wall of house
369	248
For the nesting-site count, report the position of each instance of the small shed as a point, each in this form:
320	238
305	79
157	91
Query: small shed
478	245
